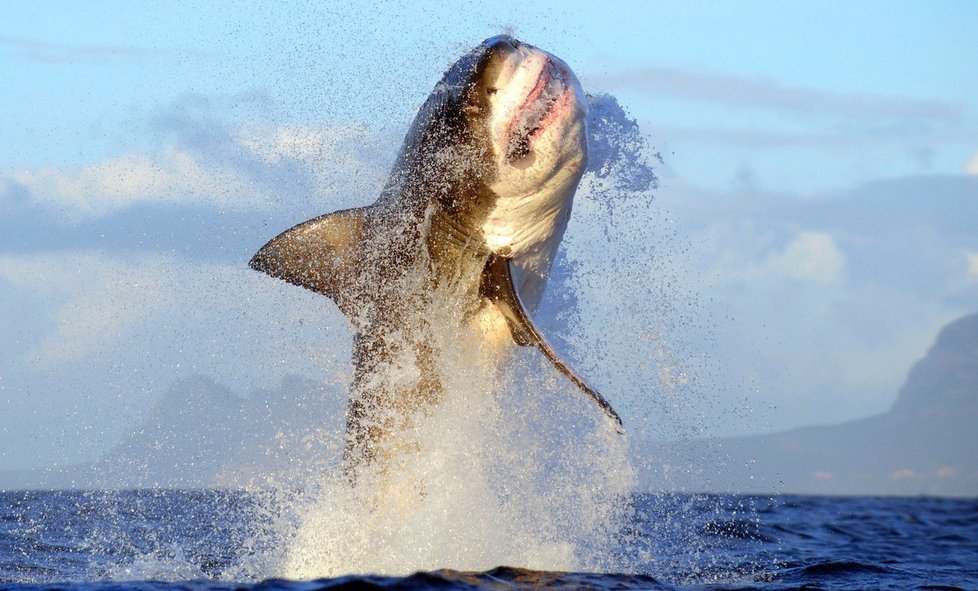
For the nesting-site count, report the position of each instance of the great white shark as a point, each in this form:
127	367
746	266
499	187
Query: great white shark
474	209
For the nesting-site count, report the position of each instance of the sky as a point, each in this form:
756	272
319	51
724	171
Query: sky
815	222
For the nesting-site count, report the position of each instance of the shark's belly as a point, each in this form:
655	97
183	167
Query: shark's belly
519	224
527	226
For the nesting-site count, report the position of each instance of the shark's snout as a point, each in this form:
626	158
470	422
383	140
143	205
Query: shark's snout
502	43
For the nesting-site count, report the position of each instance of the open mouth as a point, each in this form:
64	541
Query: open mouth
537	111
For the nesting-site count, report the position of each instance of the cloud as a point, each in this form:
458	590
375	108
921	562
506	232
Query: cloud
59	53
199	231
810	256
339	160
98	299
755	255
170	175
140	310
234	168
824	138
972	166
823	291
92	339
800	135
972	272
754	93
820	302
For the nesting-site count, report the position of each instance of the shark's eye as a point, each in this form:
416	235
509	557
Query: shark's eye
491	91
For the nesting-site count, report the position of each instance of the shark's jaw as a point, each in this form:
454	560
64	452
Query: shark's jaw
538	136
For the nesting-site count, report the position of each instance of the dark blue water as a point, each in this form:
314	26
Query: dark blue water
215	540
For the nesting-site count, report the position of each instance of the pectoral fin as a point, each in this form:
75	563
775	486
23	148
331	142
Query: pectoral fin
497	285
320	254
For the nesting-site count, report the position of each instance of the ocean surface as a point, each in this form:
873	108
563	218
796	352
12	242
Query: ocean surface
214	540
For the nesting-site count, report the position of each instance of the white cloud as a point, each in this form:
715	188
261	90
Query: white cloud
972	166
972	272
91	340
96	299
823	302
57	53
137	311
308	144
343	162
255	168
811	257
171	175
808	257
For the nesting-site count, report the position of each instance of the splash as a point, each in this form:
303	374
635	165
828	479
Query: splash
510	466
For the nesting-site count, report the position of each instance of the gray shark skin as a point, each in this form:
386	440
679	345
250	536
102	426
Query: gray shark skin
482	187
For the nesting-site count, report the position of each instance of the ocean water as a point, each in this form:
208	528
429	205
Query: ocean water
171	539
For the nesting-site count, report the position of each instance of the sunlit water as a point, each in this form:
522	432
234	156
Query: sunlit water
481	484
219	540
510	464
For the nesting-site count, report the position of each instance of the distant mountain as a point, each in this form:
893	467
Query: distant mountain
944	384
200	434
926	444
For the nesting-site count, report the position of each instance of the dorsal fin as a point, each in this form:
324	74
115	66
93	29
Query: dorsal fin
320	254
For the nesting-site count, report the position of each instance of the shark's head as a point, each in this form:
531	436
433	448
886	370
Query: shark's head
533	110
506	127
